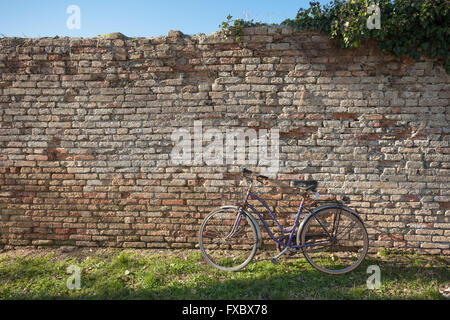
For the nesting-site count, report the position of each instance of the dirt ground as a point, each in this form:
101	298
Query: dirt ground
62	253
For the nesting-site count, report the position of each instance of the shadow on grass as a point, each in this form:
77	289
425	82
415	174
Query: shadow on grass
295	280
292	279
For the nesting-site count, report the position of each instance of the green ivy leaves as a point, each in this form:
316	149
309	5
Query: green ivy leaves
409	28
235	28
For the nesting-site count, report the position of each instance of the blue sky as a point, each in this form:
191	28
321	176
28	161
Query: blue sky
135	18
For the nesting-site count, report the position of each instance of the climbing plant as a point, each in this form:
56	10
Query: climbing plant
407	27
235	28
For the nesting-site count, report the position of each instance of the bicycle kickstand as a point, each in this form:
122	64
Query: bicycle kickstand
275	259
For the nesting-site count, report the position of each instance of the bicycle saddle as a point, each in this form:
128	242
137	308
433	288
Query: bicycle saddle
309	185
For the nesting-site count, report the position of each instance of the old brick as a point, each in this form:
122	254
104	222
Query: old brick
86	127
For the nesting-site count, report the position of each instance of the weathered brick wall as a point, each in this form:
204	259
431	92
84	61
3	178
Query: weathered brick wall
85	134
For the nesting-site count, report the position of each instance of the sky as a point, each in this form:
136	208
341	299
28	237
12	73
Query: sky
134	18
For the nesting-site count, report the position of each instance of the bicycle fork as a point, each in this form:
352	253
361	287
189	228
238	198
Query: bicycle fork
235	225
239	214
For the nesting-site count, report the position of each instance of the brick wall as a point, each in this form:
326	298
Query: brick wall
86	124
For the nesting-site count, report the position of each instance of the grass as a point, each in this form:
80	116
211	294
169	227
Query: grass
182	274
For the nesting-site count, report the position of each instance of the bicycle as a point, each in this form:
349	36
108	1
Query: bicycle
332	237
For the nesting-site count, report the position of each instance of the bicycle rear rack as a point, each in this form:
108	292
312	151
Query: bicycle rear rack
345	200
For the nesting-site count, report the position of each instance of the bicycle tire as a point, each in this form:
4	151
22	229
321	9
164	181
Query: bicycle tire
215	251
327	258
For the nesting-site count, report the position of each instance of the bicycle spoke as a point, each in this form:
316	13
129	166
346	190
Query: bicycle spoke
354	223
226	241
347	248
211	234
239	232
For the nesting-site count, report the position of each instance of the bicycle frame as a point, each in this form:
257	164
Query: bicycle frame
290	231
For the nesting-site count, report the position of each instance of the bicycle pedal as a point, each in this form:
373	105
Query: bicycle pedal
274	261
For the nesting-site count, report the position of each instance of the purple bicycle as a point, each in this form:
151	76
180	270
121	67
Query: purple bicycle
332	237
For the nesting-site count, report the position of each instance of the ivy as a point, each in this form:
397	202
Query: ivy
235	28
409	28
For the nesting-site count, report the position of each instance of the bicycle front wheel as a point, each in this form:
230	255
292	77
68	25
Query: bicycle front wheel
228	239
334	240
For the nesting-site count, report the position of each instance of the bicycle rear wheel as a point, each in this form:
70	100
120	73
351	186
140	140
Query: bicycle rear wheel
334	240
228	239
